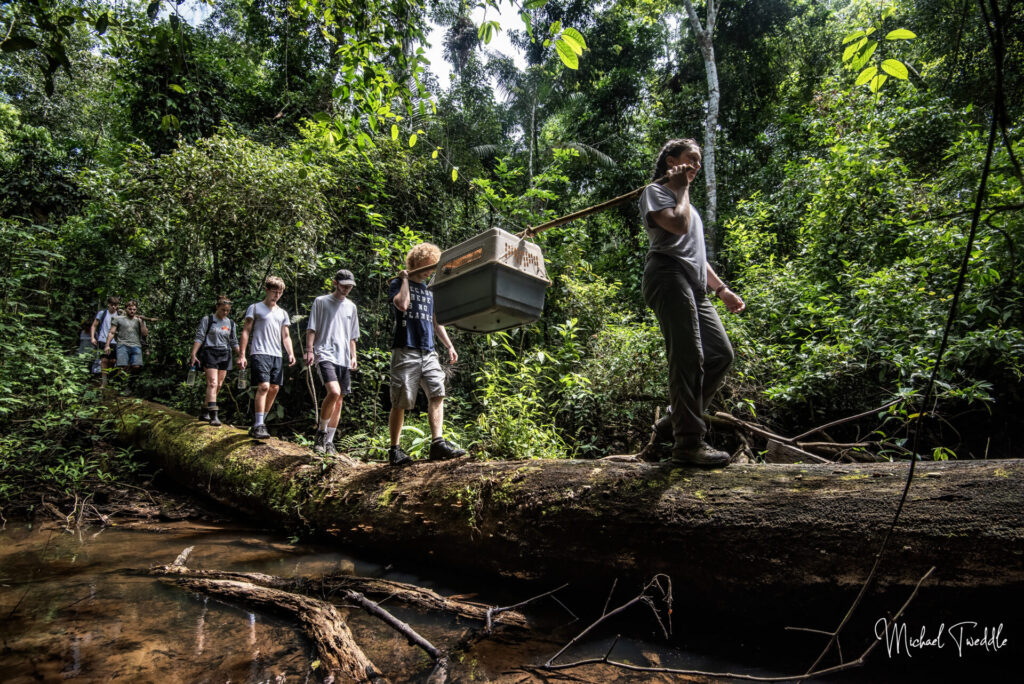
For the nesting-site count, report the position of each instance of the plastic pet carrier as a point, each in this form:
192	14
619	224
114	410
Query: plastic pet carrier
490	282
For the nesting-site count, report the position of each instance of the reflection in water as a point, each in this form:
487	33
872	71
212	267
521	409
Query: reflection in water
201	628
69	613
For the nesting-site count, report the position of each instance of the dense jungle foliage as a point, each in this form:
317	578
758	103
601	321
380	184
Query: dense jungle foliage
169	152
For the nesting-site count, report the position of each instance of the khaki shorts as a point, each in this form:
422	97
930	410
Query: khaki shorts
410	370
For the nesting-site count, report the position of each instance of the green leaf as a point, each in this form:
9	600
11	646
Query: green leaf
853	36
566	54
555	28
18	43
573	45
860	60
455	173
412	140
573	36
896	69
850	51
152	9
394	132
877	82
900	34
102	23
535	4
866	75
433	155
177	88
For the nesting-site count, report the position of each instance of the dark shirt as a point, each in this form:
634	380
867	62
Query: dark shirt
414	327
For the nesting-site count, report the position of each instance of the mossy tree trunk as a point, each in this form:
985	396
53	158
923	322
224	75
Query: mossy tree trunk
752	530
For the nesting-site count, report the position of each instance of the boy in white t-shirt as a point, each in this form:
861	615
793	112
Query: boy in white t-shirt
331	343
267	324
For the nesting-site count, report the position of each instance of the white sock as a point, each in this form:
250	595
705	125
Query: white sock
330	433
259	419
323	423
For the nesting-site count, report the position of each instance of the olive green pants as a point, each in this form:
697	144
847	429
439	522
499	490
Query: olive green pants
697	349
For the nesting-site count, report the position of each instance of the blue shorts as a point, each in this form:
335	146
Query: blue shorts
128	356
266	368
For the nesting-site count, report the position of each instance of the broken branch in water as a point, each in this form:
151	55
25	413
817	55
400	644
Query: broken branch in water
606	659
341	656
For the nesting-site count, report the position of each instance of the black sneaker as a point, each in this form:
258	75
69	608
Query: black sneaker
259	432
398	457
204	415
318	442
329	448
442	450
702	456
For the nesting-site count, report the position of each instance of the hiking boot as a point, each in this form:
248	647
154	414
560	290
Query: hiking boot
204	415
214	420
259	432
329	448
442	450
319	441
701	455
663	430
398	457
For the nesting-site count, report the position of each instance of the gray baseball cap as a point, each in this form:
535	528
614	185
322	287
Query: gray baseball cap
345	277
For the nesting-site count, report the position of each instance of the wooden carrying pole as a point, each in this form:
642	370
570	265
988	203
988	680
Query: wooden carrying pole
582	213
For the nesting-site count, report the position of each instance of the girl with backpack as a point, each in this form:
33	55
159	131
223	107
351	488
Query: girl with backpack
216	338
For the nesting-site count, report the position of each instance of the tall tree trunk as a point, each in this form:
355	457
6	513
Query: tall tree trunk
705	35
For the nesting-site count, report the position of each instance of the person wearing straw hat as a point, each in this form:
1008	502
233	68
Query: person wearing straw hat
414	361
331	344
676	280
216	337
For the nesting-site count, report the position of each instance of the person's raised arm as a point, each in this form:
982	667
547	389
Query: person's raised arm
676	220
402	299
732	301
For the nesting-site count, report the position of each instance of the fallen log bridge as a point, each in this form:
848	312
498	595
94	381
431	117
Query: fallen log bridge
752	530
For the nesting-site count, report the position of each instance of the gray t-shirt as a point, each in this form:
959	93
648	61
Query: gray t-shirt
128	331
220	334
266	328
336	323
687	249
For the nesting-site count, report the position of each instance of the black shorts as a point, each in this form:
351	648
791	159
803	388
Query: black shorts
112	354
211	357
266	368
332	372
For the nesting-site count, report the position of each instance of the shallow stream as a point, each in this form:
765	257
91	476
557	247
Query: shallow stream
69	612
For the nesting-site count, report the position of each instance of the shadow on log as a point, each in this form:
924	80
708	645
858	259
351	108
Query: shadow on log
745	533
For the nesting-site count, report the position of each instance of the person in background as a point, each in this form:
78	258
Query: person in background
85	345
676	280
100	328
414	362
215	340
331	343
267	325
128	331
